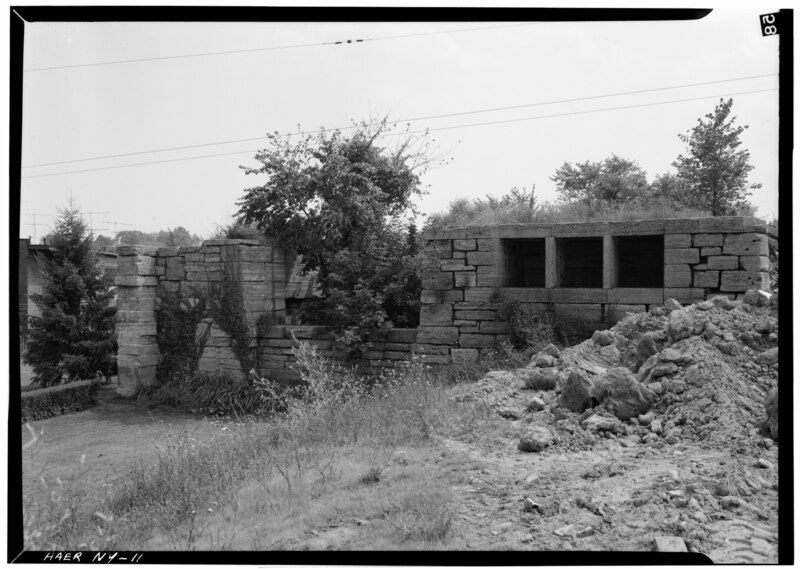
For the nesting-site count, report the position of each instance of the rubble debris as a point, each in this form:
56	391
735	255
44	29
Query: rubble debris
535	439
771	405
669	543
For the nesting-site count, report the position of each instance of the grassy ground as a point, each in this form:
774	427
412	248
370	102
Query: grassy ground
418	464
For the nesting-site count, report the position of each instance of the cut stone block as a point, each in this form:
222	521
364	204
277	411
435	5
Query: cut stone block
721	224
483	231
706	251
527	231
754	263
437	335
464	355
405	335
723	263
681	226
489	327
441	296
684	295
632	296
677	241
483	258
135	281
708	240
441	248
677	276
488	276
489	245
454	265
436	314
578	312
591	229
578	295
681	256
740	281
641	227
706	279
479	294
127	250
477	340
746	244
464	279
475	314
437	281
464	245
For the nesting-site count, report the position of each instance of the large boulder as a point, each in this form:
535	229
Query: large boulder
771	404
645	349
620	393
539	378
768	357
576	393
685	323
535	439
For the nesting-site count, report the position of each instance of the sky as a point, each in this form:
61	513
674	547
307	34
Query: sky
116	114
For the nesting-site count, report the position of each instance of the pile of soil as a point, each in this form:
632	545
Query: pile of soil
678	405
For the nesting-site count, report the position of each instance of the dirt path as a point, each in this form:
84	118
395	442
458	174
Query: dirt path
110	437
616	498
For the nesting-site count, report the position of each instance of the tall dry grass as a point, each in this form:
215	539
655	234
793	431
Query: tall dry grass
331	446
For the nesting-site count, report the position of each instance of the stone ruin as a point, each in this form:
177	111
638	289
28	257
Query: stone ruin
588	274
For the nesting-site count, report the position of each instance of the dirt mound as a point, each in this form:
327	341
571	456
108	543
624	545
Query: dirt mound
704	372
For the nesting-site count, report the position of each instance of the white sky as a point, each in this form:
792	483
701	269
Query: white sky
85	112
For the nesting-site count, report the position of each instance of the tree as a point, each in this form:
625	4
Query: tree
612	182
74	336
714	171
340	202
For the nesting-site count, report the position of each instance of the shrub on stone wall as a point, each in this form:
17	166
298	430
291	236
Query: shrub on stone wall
527	328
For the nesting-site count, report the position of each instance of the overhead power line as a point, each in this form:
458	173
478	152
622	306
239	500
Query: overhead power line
419	131
429	117
274	48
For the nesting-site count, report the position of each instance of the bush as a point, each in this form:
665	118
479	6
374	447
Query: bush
217	394
59	400
528	329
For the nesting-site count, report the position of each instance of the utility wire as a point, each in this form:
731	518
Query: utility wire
418	131
190	146
274	48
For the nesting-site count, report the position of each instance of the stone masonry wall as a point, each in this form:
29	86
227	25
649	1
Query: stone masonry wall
701	257
148	278
389	349
458	318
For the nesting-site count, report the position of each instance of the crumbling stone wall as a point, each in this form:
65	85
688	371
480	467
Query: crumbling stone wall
700	257
572	271
147	278
388	350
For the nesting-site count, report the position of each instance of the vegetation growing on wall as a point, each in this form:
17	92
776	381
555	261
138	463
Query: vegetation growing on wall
176	333
344	202
227	309
528	329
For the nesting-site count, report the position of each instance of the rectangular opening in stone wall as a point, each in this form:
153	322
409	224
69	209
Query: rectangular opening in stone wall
524	263
580	262
640	261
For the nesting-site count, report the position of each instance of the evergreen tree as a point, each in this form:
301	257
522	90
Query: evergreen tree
74	337
713	171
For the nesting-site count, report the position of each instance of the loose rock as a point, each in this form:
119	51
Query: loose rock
669	543
535	439
771	405
576	394
619	392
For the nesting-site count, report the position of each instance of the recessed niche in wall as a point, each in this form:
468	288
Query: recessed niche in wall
524	263
639	261
580	262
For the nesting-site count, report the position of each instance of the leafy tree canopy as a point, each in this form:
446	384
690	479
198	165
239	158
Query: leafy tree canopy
615	180
343	201
714	169
74	336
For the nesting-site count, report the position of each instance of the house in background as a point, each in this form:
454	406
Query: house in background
30	276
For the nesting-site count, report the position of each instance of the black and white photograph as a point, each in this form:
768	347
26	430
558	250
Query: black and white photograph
448	282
